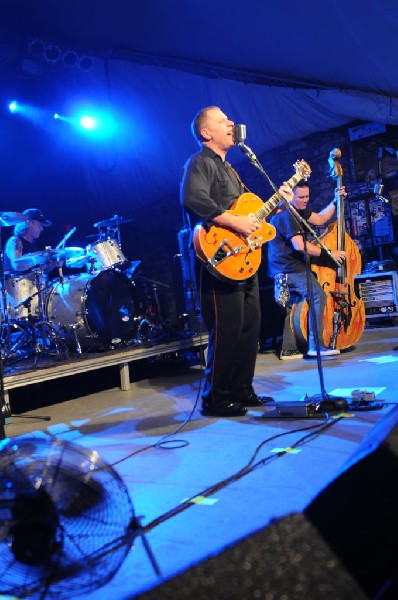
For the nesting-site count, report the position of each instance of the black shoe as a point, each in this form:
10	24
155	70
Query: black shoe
257	400
227	409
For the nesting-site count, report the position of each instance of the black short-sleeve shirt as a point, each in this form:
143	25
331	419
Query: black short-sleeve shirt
282	257
208	187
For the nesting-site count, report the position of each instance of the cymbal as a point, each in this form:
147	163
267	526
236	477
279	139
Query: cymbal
11	218
78	262
45	256
113	221
64	253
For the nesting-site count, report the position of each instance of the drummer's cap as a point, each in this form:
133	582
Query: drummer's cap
34	214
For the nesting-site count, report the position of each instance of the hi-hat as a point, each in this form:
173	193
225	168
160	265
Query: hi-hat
11	218
113	221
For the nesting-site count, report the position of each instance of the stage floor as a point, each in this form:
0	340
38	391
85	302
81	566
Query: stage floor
126	426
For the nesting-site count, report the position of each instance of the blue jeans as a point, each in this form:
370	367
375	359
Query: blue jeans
298	289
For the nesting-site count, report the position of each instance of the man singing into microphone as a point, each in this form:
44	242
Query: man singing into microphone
231	310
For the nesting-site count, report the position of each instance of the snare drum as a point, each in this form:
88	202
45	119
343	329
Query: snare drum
97	310
20	288
107	254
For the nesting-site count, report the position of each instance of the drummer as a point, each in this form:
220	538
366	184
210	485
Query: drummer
25	241
23	278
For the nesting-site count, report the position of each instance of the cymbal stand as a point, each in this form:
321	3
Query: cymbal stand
115	231
5	410
29	335
158	327
102	236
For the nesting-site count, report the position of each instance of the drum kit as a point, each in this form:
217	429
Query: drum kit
99	309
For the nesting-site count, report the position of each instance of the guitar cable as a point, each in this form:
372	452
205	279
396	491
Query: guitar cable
171	444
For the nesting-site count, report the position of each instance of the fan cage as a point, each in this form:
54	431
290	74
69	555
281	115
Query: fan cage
94	512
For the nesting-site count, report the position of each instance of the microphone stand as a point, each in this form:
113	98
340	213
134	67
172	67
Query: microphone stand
326	399
253	158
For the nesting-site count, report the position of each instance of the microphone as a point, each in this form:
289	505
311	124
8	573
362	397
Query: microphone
239	133
239	137
378	190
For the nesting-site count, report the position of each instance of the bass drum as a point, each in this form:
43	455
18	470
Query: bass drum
94	311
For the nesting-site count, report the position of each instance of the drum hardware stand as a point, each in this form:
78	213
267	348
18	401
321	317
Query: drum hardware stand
92	262
78	348
130	270
40	328
5	409
147	324
8	415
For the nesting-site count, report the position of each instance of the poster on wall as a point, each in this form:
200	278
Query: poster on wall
381	221
359	219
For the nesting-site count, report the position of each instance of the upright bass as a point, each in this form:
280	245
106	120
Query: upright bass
344	317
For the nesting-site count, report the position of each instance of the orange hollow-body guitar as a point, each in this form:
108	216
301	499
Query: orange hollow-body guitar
233	256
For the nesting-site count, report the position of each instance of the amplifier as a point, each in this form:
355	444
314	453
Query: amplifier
190	288
379	292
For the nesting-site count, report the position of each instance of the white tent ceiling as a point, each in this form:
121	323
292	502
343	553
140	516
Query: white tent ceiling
285	68
347	45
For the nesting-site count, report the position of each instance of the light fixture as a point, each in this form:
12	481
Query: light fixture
86	63
36	47
13	106
69	58
88	122
52	53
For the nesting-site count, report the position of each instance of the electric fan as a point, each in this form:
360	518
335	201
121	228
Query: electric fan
66	519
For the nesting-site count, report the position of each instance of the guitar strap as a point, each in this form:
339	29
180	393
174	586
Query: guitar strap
237	176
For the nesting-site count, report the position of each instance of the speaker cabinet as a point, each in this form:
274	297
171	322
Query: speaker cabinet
379	293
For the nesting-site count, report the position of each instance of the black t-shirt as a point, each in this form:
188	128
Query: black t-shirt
282	257
27	248
208	187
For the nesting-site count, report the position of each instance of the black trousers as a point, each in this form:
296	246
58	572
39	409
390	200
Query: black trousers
232	315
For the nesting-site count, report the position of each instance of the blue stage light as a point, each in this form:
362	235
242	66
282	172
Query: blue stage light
14	107
88	122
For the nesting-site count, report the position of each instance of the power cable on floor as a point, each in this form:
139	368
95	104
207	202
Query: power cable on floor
248	468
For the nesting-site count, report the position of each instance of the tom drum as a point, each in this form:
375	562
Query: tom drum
22	290
107	253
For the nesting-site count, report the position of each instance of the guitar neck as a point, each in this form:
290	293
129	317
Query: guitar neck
273	202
